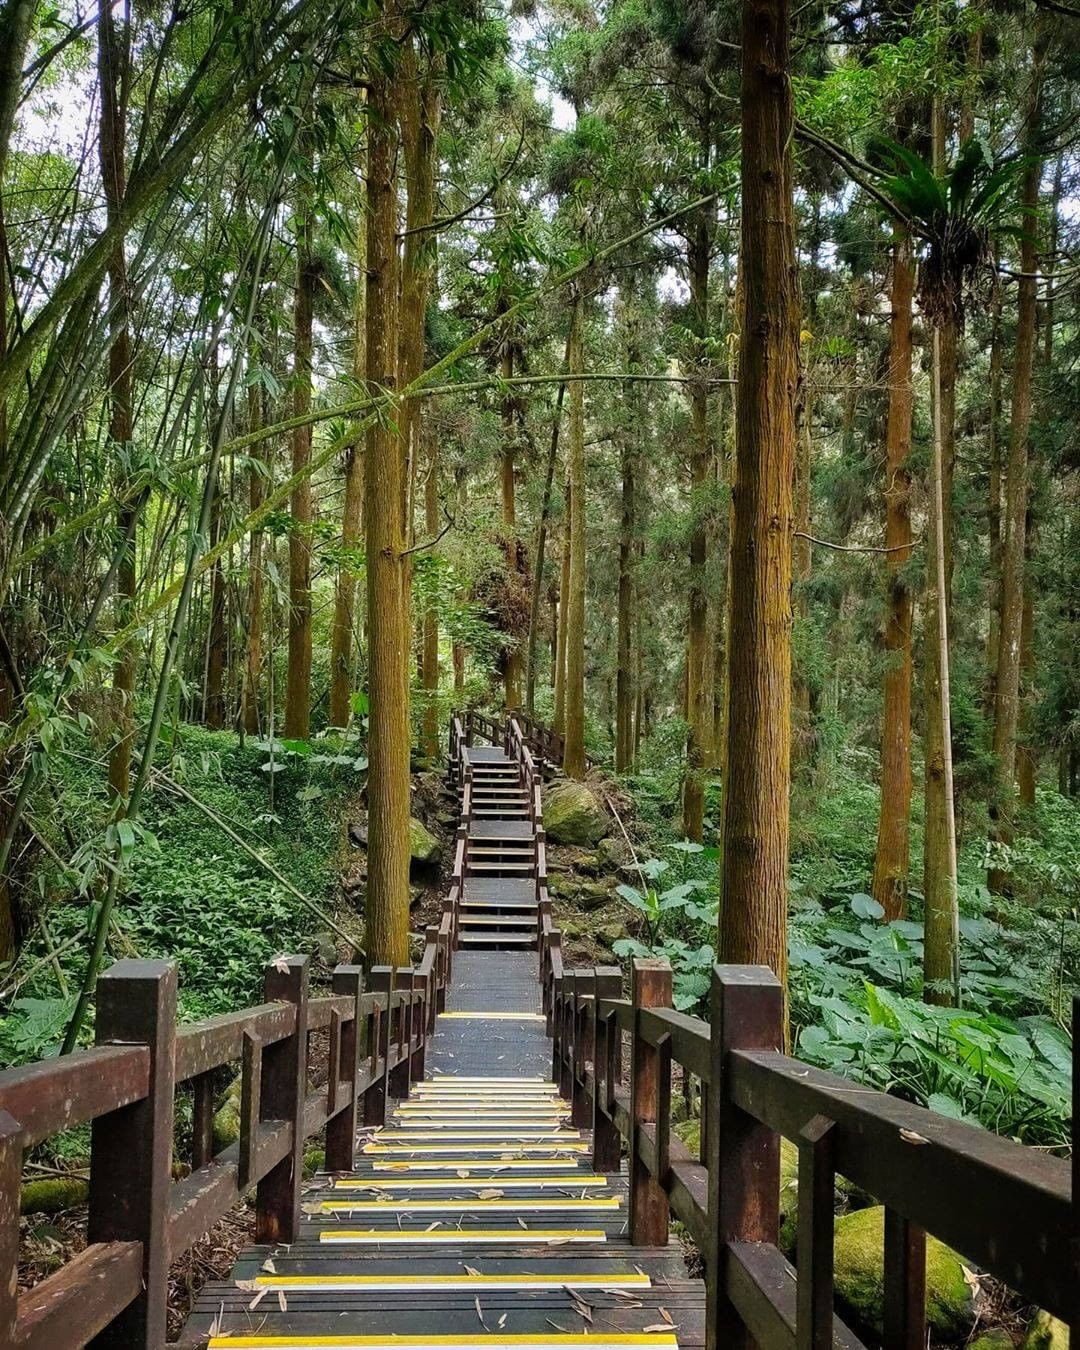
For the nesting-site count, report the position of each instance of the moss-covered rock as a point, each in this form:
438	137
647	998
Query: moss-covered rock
789	1196
574	814
859	1262
689	1131
614	853
52	1195
227	1117
314	1161
1046	1333
424	849
997	1338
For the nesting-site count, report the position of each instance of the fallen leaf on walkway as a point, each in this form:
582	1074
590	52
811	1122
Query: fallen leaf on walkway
258	1299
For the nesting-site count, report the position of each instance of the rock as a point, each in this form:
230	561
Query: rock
1045	1333
573	814
564	885
859	1259
52	1195
593	895
447	818
789	1196
997	1338
358	835
613	853
421	764
326	945
227	1117
424	849
613	933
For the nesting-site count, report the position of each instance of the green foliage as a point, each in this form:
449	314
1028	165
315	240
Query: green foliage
190	894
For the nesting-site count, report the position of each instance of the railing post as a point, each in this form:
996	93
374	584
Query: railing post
283	1096
422	987
131	1149
399	1074
583	1027
380	981
744	1154
651	988
607	1150
11	1158
341	1130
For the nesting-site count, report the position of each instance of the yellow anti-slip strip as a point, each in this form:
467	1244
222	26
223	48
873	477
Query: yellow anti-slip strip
653	1341
430	1283
508	1151
454	1183
421	1133
467	1165
489	1110
495	1079
479	1094
514	1204
433	1236
496	1100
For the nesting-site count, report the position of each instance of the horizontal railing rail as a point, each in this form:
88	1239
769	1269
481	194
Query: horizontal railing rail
1007	1208
141	1218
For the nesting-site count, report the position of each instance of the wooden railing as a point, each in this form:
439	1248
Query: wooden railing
1007	1208
546	742
140	1218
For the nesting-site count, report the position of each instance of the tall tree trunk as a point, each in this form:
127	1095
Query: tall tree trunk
513	662
699	709
559	674
540	554
893	843
217	637
420	110
387	904
342	640
993	438
298	685
1014	540
431	614
624	677
1026	754
574	623
113	75
941	944
753	908
256	490
801	564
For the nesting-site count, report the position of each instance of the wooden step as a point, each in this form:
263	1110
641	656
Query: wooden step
512	853
509	921
497	939
494	867
506	906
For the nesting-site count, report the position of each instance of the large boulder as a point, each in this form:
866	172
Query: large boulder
574	814
859	1262
1046	1333
424	849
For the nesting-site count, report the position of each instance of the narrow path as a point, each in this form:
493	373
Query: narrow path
474	1216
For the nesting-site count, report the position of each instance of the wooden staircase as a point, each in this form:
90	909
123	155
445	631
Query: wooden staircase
500	884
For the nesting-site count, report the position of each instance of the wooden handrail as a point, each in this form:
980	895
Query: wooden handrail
1006	1207
140	1218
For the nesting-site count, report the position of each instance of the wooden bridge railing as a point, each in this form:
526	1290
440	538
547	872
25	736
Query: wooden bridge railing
140	1218
1007	1208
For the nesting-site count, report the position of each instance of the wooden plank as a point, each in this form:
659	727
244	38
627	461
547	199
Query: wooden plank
202	1046
994	1200
80	1300
57	1094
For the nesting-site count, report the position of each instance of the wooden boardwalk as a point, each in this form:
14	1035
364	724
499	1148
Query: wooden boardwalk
474	1216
